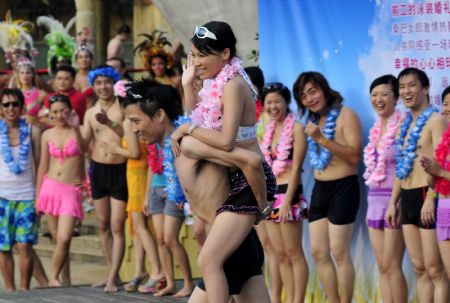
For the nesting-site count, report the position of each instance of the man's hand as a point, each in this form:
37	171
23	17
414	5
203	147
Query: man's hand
313	131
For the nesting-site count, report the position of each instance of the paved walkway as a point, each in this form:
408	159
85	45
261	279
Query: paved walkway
80	294
83	274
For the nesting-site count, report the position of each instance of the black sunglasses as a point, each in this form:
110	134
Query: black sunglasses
273	86
14	104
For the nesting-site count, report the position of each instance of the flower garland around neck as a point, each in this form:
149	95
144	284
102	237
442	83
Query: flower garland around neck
376	168
173	188
319	157
19	165
155	159
283	147
208	113
441	185
404	159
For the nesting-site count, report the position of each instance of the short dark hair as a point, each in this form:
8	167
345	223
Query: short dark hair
386	79
66	68
445	93
332	97
279	88
124	29
55	63
225	39
256	76
151	96
13	92
60	98
421	75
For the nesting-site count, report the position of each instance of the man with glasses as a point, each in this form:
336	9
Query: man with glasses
19	153
103	123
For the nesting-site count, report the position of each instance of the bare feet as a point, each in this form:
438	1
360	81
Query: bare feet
167	291
111	288
186	291
103	283
100	284
54	283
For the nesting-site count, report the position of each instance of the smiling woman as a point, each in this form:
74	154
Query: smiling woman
379	158
57	185
284	148
222	135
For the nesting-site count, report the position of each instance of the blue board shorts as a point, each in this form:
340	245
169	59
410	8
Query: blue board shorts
18	223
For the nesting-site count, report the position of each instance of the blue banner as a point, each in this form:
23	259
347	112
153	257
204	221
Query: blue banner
352	43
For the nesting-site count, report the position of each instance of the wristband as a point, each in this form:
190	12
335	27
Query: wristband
191	129
267	210
432	195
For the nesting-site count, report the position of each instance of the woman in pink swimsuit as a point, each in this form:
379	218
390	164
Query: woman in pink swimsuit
59	175
379	158
26	80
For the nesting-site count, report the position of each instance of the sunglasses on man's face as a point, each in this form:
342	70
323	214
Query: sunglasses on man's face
14	104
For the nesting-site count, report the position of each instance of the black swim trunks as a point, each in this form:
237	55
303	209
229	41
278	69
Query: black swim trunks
241	198
245	262
337	200
109	180
411	201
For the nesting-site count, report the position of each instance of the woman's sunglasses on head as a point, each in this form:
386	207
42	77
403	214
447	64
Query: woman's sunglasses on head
273	86
202	32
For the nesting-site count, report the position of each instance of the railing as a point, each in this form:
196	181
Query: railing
44	71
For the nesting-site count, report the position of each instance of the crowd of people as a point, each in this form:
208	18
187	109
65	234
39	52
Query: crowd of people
220	142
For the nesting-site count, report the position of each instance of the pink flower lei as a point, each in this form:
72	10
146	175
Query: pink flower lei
155	159
208	113
284	144
375	170
441	185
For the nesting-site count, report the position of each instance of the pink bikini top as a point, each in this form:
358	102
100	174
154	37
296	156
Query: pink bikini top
31	98
70	149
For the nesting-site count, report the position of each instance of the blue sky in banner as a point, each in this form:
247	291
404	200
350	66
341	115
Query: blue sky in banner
318	35
354	41
351	42
325	36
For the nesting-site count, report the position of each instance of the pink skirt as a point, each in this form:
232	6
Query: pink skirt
57	199
299	205
377	204
443	219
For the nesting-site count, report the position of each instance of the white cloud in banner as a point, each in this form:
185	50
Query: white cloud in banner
378	60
